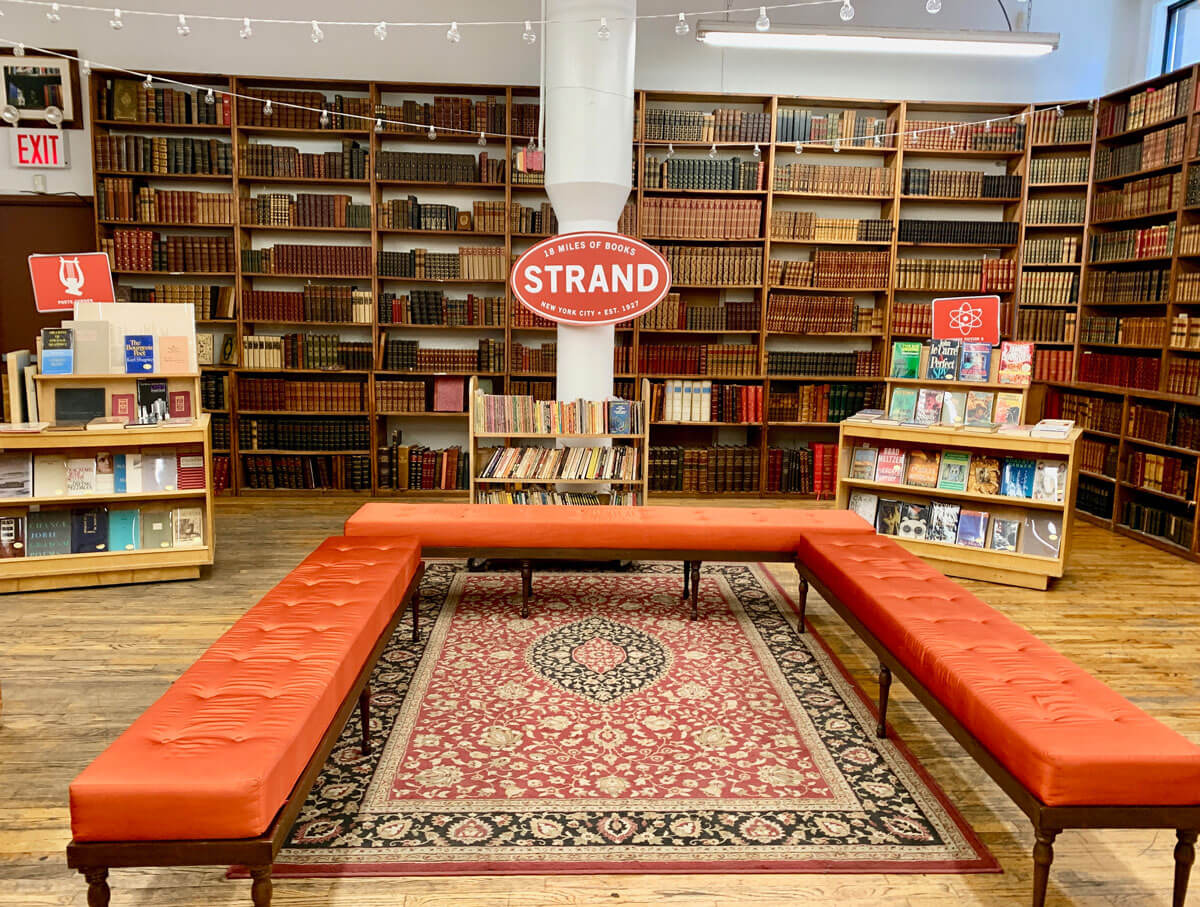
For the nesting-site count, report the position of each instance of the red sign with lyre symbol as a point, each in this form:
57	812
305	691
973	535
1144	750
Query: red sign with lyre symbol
971	319
60	281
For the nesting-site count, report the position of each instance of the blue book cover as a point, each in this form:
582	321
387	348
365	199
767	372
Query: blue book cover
119	474
48	532
618	417
124	530
976	362
89	530
1017	479
139	354
58	351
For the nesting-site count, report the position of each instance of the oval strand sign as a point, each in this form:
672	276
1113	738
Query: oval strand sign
590	278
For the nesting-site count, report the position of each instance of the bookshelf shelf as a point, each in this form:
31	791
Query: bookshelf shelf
168	225
1063	185
403	231
960	245
1136	174
833	196
967	155
291	276
298	131
173	273
191	177
143	126
958	200
1133	218
778	240
304	180
1179	499
298	228
1140	130
994	499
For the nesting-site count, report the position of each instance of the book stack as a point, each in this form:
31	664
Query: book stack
1163	473
1151	285
146	250
829	179
1119	370
1052	251
675	314
435	167
301	472
1152	195
1183	376
1098	456
944	135
302	110
807	225
434	307
865	270
305	210
822	403
1124	330
1068	169
117	200
301	260
1060	210
284	433
734	360
400	396
408	356
211	301
316	302
960	232
1091	413
913	319
1049	287
704	401
790	470
528	167
862	363
960	184
1145	108
854	128
457	113
309	351
729	174
1046	326
701	218
539	221
1131	245
1054	365
469	263
1156	149
1048	128
533	359
410	214
705	470
299	396
1185	332
709	265
132	101
663	124
282	160
162	154
956	274
821	315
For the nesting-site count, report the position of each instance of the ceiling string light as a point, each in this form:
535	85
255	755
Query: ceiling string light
317	35
452	34
529	36
183	29
602	32
381	31
846	13
681	26
54	15
245	31
762	23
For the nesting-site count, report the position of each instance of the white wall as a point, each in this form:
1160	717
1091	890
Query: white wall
1098	52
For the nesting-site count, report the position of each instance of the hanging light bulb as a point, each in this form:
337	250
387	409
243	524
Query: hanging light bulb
452	34
799	148
837	146
86	67
602	32
529	36
267	108
482	140
952	131
10	114
149	81
432	134
757	151
987	126
183	29
379	124
317	35
19	50
762	23
933	7
1022	117
381	31
1058	111
712	152
210	97
670	149
1091	103
681	26
245	31
847	11
54	15
324	119
116	23
54	116
878	143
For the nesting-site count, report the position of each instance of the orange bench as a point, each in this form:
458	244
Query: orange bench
690	534
1068	750
215	771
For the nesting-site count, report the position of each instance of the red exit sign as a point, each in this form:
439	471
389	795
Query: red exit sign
38	148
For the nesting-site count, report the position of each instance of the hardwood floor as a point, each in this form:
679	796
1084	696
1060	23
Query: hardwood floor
78	666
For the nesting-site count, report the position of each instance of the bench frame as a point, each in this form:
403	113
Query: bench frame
1048	821
94	858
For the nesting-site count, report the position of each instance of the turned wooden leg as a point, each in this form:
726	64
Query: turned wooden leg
260	888
1043	856
98	893
1185	855
526	586
687	579
803	601
364	713
416	610
694	569
885	687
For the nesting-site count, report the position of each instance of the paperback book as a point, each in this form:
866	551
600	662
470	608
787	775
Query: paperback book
1042	536
972	528
1017	477
914	521
887	521
906	359
943	522
139	354
889	466
954	470
864	504
929	406
976	362
862	463
1008	408
922	468
903	405
1004	534
984	476
1016	364
58	352
1050	481
943	360
979	408
954	407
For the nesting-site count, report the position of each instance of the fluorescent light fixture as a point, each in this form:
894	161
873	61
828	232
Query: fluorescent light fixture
877	40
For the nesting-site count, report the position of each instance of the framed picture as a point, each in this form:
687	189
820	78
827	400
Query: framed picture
32	83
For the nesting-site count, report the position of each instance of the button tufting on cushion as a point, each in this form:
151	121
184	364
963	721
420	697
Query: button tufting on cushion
217	755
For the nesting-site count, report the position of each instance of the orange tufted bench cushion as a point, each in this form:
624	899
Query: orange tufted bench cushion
217	755
603	528
1066	736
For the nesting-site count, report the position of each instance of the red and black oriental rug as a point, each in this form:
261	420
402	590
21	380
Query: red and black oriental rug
609	733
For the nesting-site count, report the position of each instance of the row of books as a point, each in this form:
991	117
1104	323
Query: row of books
954	360
1137	197
1069	211
349	163
211	301
727	174
1126	245
821	315
305	209
950	524
437	167
1123	329
455	112
1157	520
306	472
1054	365
1192	195
975	409
724	124
415	467
214	387
1145	108
409	213
82	347
705	470
802	470
132	101
521	317
1160	148
146	250
1095	497
298	258
287	433
968	232
309	351
1098	456
525	359
1049	288
615	498
703	401
708	265
468	263
302	109
1183	376
1119	369
1067	169
861	363
162	155
301	395
1092	413
1189	240
733	359
117	199
408	356
500	414
316	302
1142	285
1018	478
987	275
832	270
960	183
855	128
1174	424
948	135
674	313
1046	326
821	403
1187	287
701	218
435	307
1048	128
807	225
518	464
442	395
1161	472
24	474
1051	250
92	530
831	179
220	434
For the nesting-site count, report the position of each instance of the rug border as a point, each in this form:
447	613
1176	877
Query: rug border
986	862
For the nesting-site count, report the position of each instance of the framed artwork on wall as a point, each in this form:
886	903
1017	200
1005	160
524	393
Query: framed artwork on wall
34	82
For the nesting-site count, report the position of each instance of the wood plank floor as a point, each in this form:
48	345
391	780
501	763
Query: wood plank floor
78	666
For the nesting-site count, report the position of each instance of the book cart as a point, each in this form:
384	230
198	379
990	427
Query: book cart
483	443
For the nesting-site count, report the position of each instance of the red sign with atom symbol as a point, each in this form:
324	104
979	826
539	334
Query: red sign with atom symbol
971	319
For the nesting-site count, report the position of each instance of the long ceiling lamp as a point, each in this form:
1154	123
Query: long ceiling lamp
877	40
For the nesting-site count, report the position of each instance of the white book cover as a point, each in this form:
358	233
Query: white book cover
188	527
706	401
49	475
688	402
668	401
160	470
160	319
104	472
16	474
677	412
81	475
133	473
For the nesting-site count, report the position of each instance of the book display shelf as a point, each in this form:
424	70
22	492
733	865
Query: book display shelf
993	507
514	457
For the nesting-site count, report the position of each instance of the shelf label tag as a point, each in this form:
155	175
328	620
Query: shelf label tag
971	319
590	278
60	281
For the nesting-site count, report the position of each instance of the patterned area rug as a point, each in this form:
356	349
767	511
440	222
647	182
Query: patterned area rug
609	733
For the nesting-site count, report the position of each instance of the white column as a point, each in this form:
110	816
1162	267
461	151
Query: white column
589	140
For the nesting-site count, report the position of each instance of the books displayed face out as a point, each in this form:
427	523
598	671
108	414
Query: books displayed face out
976	362
972	528
979	408
914	521
16	474
954	470
862	463
903	405
906	359
58	351
929	406
126	472
922	468
864	504
889	466
96	530
1016	364
943	360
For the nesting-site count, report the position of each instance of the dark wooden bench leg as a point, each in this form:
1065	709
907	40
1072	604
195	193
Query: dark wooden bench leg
416	611
526	586
885	687
364	713
1043	856
803	601
97	880
694	569
687	580
1185	855
260	888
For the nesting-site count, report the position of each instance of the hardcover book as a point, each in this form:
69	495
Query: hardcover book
139	354
889	466
89	530
914	521
618	417
1052	428
954	407
862	463
173	358
976	362
1016	364
984	475
58	351
157	531
1008	408
954	470
943	522
77	405
887	519
179	404
972	528
903	405
49	475
1017	478
123	407
16	474
81	475
160	469
105	478
943	360
979	407
48	532
922	468
124	529
448	395
93	346
205	349
1004	534
864	504
228	351
929	406
152	400
906	359
1042	536
12	536
1050	481
188	527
